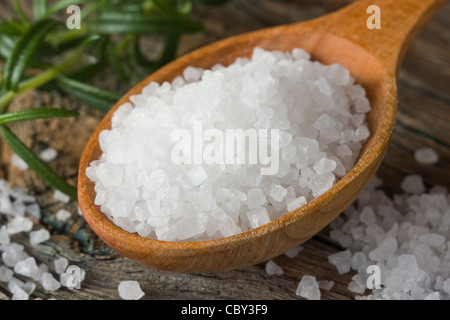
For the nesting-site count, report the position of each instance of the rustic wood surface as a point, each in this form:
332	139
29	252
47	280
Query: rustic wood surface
423	120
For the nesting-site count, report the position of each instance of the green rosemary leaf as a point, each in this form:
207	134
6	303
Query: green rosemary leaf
39	9
170	8
126	22
64	4
38	113
11	28
36	164
92	96
23	51
19	11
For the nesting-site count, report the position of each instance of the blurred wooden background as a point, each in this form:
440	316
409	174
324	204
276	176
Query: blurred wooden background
423	120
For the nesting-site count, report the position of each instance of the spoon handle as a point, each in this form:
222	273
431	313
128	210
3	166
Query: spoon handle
400	21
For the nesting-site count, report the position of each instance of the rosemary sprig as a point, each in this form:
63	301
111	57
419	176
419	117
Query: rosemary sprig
109	33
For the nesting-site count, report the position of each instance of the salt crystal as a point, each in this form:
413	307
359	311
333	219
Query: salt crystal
4	235
63	215
255	198
197	175
39	236
26	267
5	274
49	154
293	252
295	203
61	265
258	217
19	224
19	294
34	211
324	165
18	162
308	288
59	196
382	252
326	284
426	155
341	260
130	290
273	269
49	282
413	184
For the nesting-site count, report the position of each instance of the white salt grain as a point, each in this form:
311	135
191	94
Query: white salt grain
19	224
326	284
293	252
18	162
426	155
341	260
5	274
4	235
308	288
19	294
49	282
39	236
61	265
273	269
27	267
413	184
59	196
49	154
169	145
130	290
63	215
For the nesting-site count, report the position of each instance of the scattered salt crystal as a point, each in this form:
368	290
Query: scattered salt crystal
61	265
4	235
5	274
18	294
34	210
341	260
27	267
49	282
130	290
49	154
426	155
63	215
293	252
308	288
413	184
19	224
326	284
39	236
59	196
273	269
18	162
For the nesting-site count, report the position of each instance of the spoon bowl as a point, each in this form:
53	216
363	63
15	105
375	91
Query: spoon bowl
372	56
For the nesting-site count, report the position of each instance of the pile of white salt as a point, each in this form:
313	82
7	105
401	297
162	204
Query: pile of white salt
166	169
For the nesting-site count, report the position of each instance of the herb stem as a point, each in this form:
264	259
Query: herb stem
40	79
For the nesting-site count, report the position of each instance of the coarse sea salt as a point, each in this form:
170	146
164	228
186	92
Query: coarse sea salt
15	205
130	290
406	236
168	170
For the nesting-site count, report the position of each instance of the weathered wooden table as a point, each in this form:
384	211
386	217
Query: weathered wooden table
423	120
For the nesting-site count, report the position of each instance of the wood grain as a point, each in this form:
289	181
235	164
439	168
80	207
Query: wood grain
423	119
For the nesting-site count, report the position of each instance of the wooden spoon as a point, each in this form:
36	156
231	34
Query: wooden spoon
373	57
